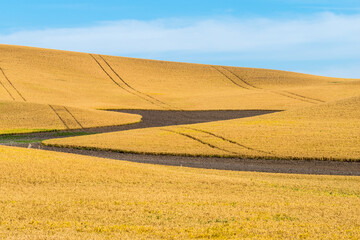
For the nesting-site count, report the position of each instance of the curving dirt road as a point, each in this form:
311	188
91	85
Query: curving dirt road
156	118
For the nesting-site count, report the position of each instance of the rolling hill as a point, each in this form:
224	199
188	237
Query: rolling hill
55	195
43	89
328	131
96	81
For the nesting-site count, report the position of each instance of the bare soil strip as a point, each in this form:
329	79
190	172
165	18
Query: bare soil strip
234	164
158	118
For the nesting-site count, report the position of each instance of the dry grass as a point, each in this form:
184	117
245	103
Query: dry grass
325	131
18	117
93	81
47	195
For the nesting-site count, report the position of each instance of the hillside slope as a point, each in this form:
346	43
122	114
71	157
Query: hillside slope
326	131
94	81
19	117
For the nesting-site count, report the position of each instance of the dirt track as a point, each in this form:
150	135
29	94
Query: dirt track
167	118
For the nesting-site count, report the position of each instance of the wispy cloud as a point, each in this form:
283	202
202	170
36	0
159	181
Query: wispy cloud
321	37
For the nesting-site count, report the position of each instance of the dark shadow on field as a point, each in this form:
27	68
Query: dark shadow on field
159	118
150	118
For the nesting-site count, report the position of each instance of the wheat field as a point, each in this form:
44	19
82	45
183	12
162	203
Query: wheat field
19	117
91	82
49	195
52	195
101	82
329	131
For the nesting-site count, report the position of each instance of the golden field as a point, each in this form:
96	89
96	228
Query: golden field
91	81
325	131
51	195
19	117
48	195
96	82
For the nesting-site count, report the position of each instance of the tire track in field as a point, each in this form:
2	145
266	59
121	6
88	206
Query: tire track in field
293	97
298	96
12	85
227	140
112	79
223	74
239	78
123	88
12	97
308	98
198	140
72	115
134	89
58	115
128	88
250	86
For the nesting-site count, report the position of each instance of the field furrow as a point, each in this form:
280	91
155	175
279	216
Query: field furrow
305	97
291	96
72	115
169	107
67	117
227	140
199	140
60	117
240	78
7	90
126	87
11	86
229	78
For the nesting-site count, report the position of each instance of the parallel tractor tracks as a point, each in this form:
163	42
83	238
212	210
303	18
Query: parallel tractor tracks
233	144
63	113
235	79
242	83
66	117
122	84
10	88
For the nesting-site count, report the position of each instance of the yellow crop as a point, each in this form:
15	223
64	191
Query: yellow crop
18	117
325	131
47	195
94	81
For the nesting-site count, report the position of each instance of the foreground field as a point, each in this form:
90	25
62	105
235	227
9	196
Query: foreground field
46	195
18	117
325	131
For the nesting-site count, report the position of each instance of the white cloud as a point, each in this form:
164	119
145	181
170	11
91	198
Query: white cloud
321	37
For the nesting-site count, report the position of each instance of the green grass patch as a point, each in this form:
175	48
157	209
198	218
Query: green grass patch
23	130
69	134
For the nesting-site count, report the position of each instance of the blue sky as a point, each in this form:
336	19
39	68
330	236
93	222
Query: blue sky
318	37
